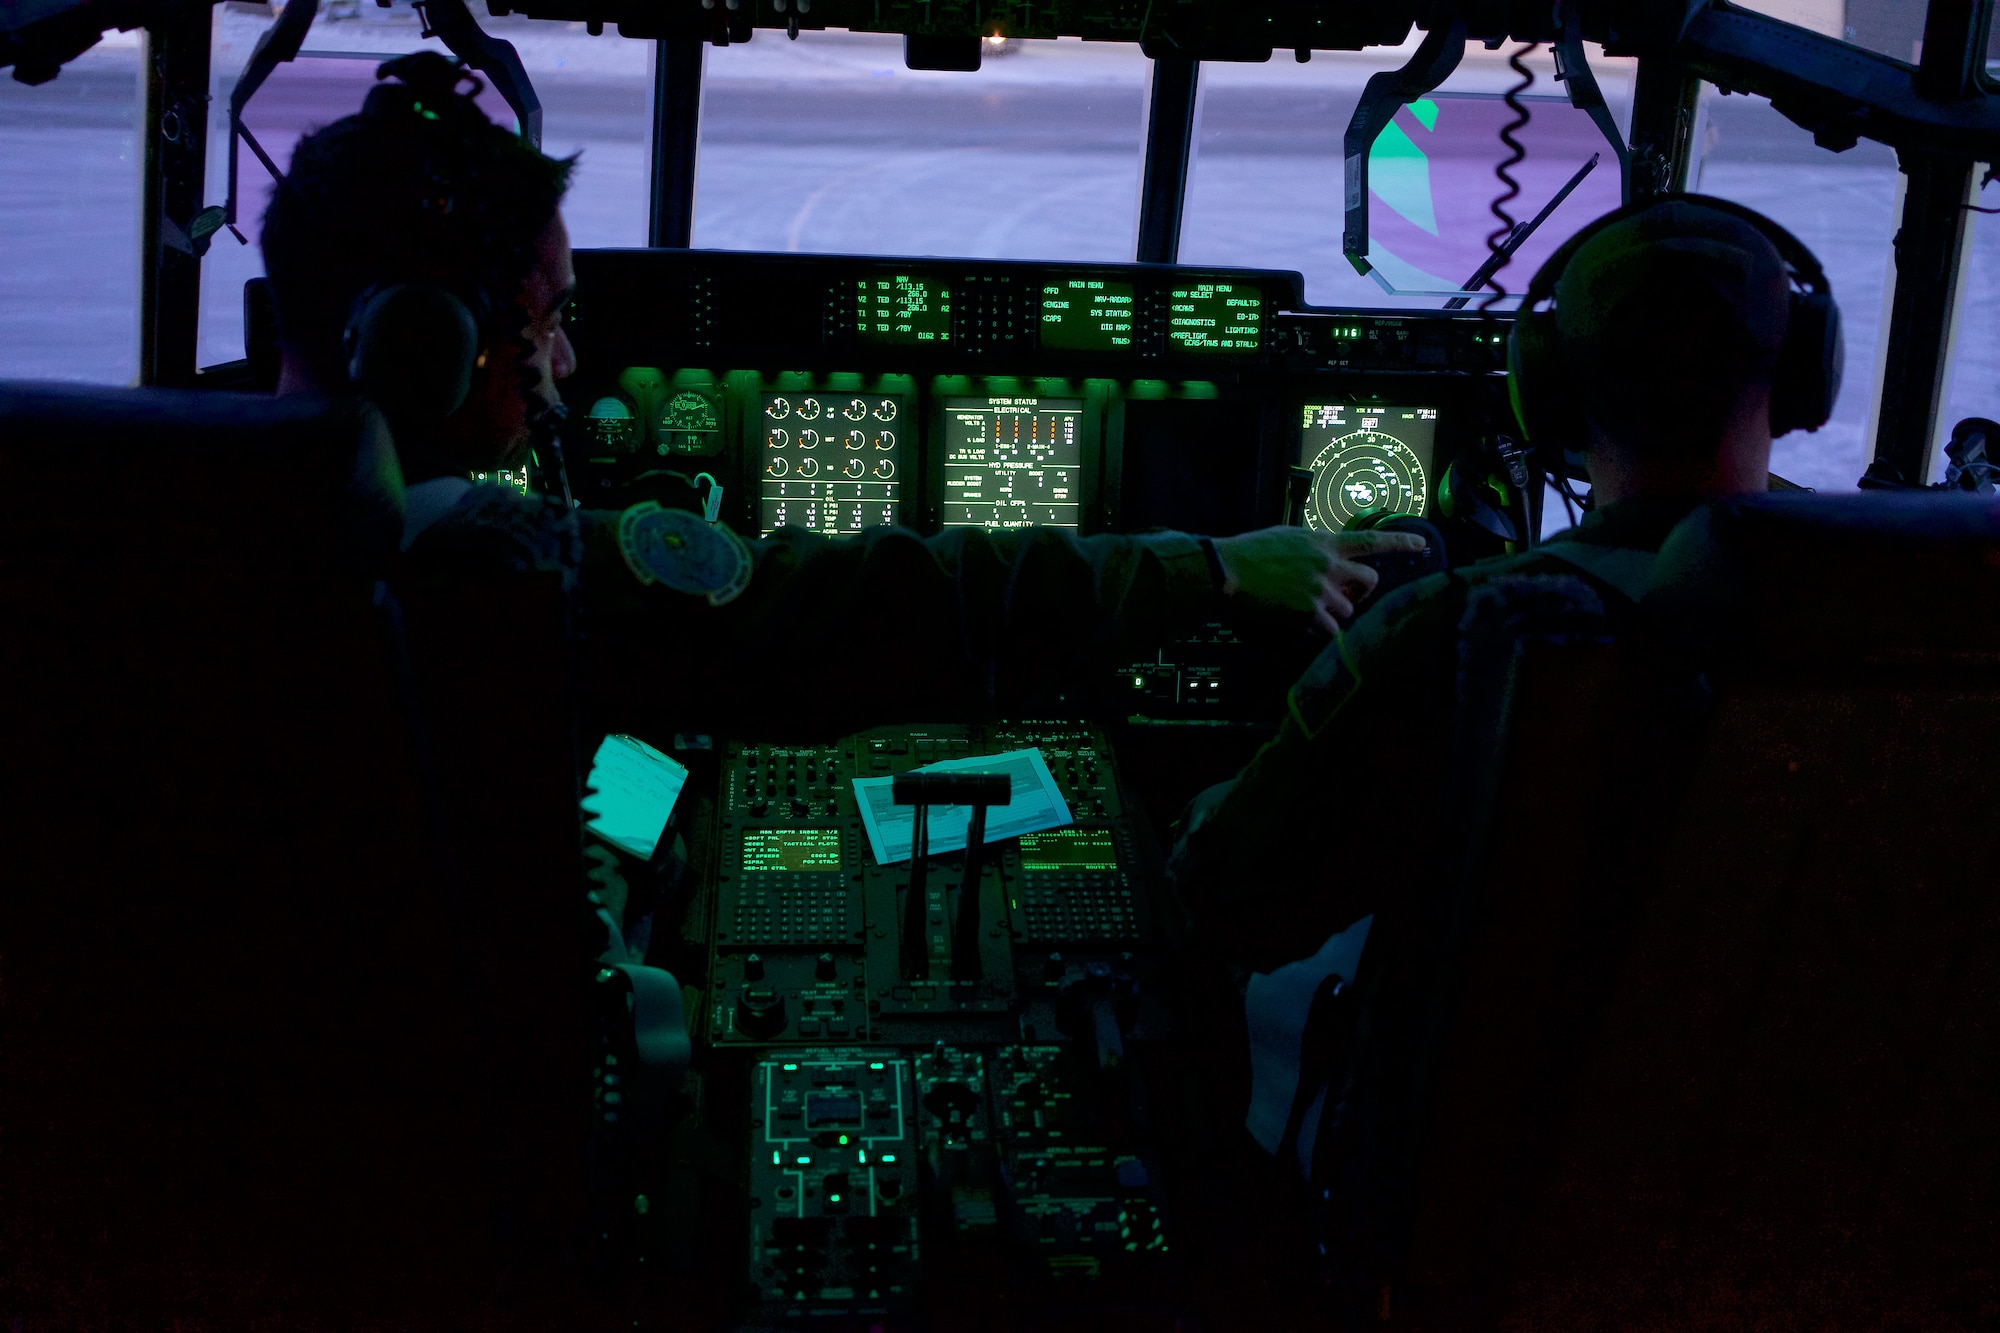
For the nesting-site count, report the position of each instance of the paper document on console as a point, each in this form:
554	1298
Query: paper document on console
1034	803
633	788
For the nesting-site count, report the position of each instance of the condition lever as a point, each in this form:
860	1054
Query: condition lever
924	790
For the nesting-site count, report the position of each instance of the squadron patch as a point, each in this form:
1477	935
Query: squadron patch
674	547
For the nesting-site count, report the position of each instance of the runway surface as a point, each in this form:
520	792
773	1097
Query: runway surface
830	145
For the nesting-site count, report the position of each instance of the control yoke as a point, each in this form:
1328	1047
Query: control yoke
924	790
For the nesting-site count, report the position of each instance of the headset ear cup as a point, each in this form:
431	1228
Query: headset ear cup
1544	402
1806	381
410	349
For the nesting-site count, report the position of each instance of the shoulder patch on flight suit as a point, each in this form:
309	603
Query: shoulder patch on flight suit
679	549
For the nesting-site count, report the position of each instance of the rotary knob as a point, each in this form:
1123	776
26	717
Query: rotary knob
824	969
760	1011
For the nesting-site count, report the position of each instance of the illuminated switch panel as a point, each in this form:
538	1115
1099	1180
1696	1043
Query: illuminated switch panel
833	1185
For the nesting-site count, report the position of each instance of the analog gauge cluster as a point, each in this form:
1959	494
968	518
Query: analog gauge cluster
1366	459
678	421
831	462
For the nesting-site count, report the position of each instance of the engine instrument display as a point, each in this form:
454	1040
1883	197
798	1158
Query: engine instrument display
1087	315
833	462
1013	462
1215	317
790	850
1366	458
902	311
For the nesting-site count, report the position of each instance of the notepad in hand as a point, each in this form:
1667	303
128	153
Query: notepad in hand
633	788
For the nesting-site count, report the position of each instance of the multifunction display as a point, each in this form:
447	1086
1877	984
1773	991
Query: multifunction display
791	850
902	311
1365	459
1013	462
1215	317
833	462
1087	315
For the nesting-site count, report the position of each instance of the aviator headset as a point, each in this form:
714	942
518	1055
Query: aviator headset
411	347
1805	377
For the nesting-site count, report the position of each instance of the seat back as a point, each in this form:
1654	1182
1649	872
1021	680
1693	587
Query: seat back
1716	1044
241	1051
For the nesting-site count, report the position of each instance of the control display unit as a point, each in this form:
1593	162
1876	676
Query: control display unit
1215	317
833	462
790	850
1013	462
1365	459
1087	315
902	311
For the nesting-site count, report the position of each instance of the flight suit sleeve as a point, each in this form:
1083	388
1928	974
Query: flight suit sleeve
1329	819
833	634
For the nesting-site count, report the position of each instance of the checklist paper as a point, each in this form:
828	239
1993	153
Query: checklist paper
1034	803
633	788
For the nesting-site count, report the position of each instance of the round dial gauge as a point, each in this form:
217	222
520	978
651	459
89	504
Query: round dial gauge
853	467
885	439
808	439
884	468
808	467
778	409
777	467
691	411
855	410
777	438
611	424
885	410
857	439
1362	471
808	409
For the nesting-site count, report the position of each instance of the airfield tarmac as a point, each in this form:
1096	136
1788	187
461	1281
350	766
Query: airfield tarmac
829	144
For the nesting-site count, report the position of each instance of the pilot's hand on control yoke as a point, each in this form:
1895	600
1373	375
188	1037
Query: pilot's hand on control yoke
1297	569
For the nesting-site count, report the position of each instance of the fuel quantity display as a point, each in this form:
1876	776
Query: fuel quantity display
1215	317
1013	462
902	311
833	462
1087	315
1364	459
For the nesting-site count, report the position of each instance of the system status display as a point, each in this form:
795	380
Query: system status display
1013	462
1086	315
1364	459
791	850
833	462
902	311
1215	317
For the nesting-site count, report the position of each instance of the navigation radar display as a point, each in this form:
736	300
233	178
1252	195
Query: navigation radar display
832	461
1364	459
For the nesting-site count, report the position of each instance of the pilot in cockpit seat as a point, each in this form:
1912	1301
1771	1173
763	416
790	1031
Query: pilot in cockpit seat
418	251
1666	345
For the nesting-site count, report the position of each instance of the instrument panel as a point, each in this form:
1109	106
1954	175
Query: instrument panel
836	394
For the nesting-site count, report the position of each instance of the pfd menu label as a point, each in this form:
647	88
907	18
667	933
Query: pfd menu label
1215	317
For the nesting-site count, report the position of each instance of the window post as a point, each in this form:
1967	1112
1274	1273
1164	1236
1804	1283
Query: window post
1170	112
174	138
677	79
